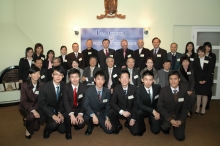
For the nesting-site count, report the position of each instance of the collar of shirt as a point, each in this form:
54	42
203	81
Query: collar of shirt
56	86
140	49
99	90
105	50
125	88
157	49
75	87
92	68
177	89
207	54
110	69
166	70
148	89
63	56
202	58
130	70
174	54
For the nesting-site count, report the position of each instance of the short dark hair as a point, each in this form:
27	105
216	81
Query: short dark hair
167	61
174	72
201	48
60	69
105	40
184	57
124	71
73	71
63	47
94	58
99	73
109	57
209	45
32	70
56	58
147	73
193	49
76	60
50	51
150	59
27	49
74	44
38	59
155	39
38	45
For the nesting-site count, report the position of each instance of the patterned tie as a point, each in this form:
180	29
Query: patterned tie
57	92
106	52
125	91
110	79
75	103
150	95
99	96
174	91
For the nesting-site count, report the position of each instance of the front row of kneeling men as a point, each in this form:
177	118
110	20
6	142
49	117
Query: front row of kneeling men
63	105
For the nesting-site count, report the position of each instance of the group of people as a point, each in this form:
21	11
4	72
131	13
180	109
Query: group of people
97	88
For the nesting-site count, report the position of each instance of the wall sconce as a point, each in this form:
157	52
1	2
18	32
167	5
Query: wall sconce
146	30
76	32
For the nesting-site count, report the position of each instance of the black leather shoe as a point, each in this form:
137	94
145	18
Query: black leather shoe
196	113
202	114
68	136
120	127
126	124
46	134
76	127
140	134
89	130
167	132
28	137
117	130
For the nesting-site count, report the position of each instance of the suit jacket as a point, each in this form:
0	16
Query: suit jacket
91	103
213	56
42	57
68	98
43	75
114	76
86	73
177	64
64	62
136	79
140	59
89	53
169	109
102	57
121	102
162	78
70	57
46	64
159	59
23	69
143	98
47	99
119	57
155	72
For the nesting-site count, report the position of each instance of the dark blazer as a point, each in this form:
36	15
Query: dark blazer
68	98
178	56
23	69
158	61
136	78
119	57
89	53
114	76
140	59
43	75
70	57
46	64
86	73
213	56
169	109
143	98
42	57
64	62
102	57
121	102
47	99
91	103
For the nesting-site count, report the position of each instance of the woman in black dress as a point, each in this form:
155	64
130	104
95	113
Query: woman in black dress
203	76
190	52
38	52
47	64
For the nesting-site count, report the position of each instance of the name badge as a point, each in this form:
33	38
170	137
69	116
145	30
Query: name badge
189	73
178	59
42	77
64	60
142	55
114	65
130	97
206	61
105	100
89	53
180	99
32	62
111	55
129	55
42	58
158	55
115	75
136	76
80	59
36	92
156	96
191	59
80	96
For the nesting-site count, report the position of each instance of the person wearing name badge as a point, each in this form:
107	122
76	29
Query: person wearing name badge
96	105
111	74
38	52
76	55
163	74
63	56
173	106
50	102
123	105
158	54
187	81
24	65
73	94
150	67
121	55
89	72
43	72
89	52
140	55
47	63
28	102
147	96
75	65
174	56
104	53
190	52
203	67
134	72
210	54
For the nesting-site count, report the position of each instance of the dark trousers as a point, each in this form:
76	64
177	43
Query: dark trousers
114	117
68	124
179	132
52	126
31	123
154	124
101	117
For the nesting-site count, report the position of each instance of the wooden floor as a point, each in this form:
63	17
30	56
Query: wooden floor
200	131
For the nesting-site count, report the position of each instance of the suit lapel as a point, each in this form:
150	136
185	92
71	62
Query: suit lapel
71	91
52	90
146	96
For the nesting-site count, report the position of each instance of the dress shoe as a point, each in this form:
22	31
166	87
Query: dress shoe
117	130
68	136
126	124
89	130
197	113
167	132
46	134
28	137
202	114
76	127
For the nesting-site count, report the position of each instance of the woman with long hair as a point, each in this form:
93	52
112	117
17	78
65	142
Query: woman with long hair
47	64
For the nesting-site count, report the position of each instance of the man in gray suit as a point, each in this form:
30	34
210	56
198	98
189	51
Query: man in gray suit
174	56
163	74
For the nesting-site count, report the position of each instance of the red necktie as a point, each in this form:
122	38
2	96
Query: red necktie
106	52
75	98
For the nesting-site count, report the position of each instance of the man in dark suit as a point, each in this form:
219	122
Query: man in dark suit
89	52
163	74
121	55
134	72
75	55
63	51
111	74
73	94
158	54
173	105
123	105
43	72
104	53
141	55
147	96
96	105
174	56
89	72
51	103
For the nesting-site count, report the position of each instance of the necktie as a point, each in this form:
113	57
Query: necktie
125	91
76	55
150	95
57	92
50	64
75	98
106	52
91	72
110	79
174	91
99	96
124	53
130	71
155	53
